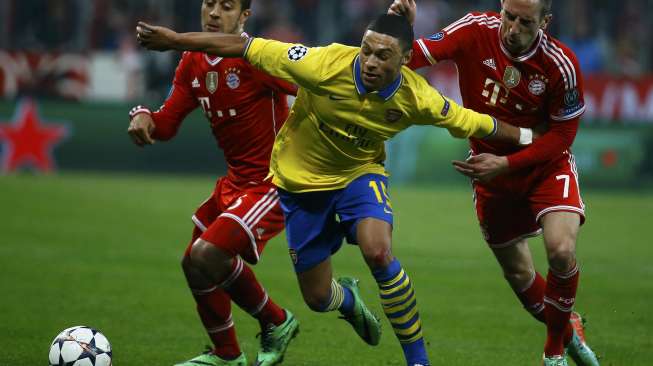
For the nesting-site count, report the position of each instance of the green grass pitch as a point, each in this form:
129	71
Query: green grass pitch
104	250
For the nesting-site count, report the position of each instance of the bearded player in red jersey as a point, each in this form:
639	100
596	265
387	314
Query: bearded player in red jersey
509	67
245	109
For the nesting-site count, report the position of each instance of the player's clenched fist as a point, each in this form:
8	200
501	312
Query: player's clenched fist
154	37
141	128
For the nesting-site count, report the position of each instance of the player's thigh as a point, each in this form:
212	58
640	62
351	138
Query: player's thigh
252	218
560	234
557	189
367	197
203	217
504	218
312	231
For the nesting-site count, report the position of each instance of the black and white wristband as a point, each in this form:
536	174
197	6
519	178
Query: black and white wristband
138	110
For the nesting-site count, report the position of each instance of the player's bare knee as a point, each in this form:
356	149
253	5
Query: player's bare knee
205	255
378	256
186	263
518	279
562	258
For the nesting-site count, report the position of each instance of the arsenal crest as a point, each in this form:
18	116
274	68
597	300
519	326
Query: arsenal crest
212	81
393	115
511	77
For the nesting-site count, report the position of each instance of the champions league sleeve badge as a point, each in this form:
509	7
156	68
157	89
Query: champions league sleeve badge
436	37
297	52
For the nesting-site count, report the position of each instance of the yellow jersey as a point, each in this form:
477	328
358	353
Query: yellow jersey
336	130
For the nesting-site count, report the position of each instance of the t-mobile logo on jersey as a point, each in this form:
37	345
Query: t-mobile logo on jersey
495	92
205	102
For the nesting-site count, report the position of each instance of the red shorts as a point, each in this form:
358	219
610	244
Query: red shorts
255	209
510	206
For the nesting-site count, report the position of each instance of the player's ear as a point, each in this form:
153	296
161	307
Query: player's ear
406	57
546	21
244	15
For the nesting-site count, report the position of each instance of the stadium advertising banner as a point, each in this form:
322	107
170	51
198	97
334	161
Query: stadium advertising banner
614	145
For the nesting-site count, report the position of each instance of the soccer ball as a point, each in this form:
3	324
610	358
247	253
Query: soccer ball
80	346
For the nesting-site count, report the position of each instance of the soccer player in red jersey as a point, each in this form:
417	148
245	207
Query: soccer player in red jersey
245	108
510	68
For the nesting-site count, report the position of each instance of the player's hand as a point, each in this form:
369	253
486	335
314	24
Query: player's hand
140	129
406	8
483	167
155	38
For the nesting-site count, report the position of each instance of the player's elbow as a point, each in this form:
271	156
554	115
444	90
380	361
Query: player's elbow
462	133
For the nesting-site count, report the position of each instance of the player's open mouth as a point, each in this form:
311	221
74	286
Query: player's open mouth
212	28
369	76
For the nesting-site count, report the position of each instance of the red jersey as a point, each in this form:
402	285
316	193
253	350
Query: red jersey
543	84
244	107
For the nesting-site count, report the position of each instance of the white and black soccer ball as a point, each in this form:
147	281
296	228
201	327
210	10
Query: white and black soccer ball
80	346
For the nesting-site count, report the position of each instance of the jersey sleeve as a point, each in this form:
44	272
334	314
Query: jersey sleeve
179	103
438	110
294	63
556	140
566	101
444	45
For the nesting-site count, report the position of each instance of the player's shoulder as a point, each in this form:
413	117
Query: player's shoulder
553	44
338	56
476	21
414	86
341	50
561	60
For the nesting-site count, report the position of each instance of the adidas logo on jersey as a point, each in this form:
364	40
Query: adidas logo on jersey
490	63
196	83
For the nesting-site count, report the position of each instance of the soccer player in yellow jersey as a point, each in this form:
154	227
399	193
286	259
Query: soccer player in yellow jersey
328	158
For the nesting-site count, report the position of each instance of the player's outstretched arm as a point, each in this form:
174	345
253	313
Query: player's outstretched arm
163	39
509	133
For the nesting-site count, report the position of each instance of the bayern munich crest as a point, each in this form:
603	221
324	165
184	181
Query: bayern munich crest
536	87
232	78
297	52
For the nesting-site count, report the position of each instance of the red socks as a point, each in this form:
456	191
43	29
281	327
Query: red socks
559	299
214	308
248	293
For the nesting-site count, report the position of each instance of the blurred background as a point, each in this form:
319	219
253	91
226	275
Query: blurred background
75	65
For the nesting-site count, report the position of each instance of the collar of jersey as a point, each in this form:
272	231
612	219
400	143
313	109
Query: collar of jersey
526	55
214	60
385	93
